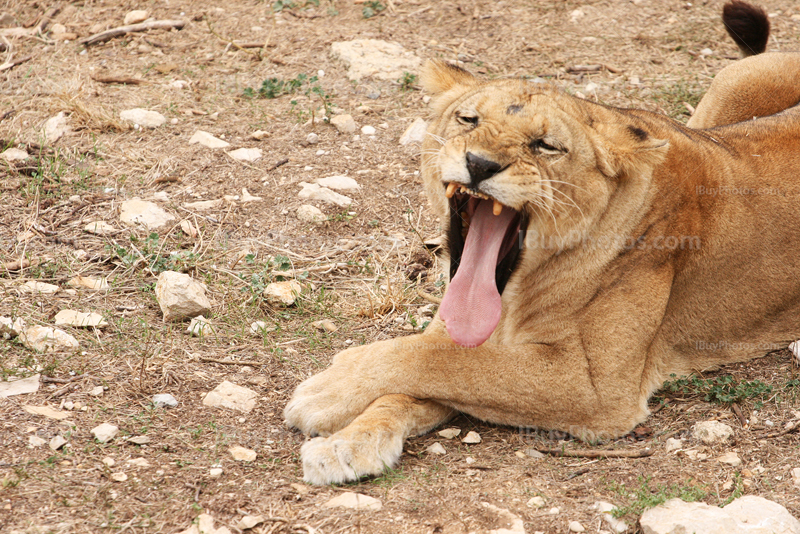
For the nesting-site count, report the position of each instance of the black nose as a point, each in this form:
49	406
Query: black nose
480	168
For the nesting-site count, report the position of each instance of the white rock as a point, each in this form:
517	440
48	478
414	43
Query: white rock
259	135
47	339
97	391
355	501
282	293
312	138
317	192
796	477
339	183
746	515
606	509
55	128
139	440
672	445
32	286
449	433
706	52
177	84
46	411
259	328
794	346
536	502
215	472
88	282
310	214
554	511
229	395
137	211
188	228
246	154
471	438
576	14
80	319
533	453
203	205
57	442
109	462
22	386
143	117
118	477
710	432
99	228
375	58
730	458
136	16
242	454
207	140
14	154
181	297
325	324
344	123
247	197
517	526
575	526
164	400
469	460
436	448
35	441
105	432
368	130
138	462
9	328
250	521
415	133
200	326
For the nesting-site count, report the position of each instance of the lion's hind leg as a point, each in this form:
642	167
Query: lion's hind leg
372	442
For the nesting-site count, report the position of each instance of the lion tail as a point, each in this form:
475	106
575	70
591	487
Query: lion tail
748	26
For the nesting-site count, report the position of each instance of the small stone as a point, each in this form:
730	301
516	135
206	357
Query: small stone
181	297
35	441
46	411
32	286
575	526
259	135
246	154
282	293
200	326
139	440
247	197
250	521
57	442
259	328
138	462
137	211
326	325
105	432
207	140
55	127
242	454
606	510
554	511
229	395
136	16
469	460
673	444
310	214
449	433
164	400
19	387
48	339
796	477
710	432
415	133
118	477
344	124
436	448
99	228
730	458
80	319
375	58
312	138
355	501
471	438
97	391
144	118
203	205
706	52
536	502
533	453
339	183
109	462
9	328
14	154
87	282
317	192
215	472
368	130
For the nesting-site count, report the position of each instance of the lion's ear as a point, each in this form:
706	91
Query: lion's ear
628	149
438	77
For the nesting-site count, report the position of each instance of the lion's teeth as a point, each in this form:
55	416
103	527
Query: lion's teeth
451	190
497	208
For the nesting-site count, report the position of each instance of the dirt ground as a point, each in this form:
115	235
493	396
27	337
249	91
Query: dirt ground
359	269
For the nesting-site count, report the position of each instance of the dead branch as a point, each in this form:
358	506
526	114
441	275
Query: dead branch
595	453
11	64
119	79
232	362
252	44
281	162
132	28
791	427
46	18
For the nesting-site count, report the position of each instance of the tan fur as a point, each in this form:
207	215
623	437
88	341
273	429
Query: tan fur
652	249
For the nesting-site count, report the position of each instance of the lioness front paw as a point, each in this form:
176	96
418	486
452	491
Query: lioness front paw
337	459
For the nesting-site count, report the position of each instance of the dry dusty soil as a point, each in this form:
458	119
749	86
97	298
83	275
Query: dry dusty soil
359	269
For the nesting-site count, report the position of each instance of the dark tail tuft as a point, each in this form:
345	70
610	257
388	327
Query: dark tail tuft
748	26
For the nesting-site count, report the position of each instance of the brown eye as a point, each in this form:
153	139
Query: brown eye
467	120
539	145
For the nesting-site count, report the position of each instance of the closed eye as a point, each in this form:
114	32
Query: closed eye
467	120
539	145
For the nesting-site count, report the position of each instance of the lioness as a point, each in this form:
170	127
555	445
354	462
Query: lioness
593	251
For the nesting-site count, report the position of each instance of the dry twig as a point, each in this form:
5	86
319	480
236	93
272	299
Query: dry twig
132	28
596	453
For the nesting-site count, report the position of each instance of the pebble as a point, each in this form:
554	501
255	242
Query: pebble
673	444
19	387
246	154
181	297
207	140
312	138
730	458
310	214
710	432
99	228
231	396
136	16
242	454
139	440
449	433
470	460
55	128
200	326
32	286
355	501
436	448
317	192
533	453
35	441
118	477
415	133
375	58
109	462
606	510
554	511
88	282
215	472
57	442
143	117
97	391
259	328
249	521
368	130
137	211
536	502
326	325
796	477
138	462
282	293
80	319
575	526
344	124
164	400
339	183
472	437
105	432
46	411
48	339
706	52
259	135
14	154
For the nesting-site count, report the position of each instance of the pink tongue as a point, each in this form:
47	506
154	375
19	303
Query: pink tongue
471	307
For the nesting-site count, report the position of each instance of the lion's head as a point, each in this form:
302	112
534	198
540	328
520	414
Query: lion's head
509	162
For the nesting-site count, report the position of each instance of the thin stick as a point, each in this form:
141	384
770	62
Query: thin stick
427	296
232	43
119	79
232	362
45	20
132	28
11	64
793	427
594	453
281	162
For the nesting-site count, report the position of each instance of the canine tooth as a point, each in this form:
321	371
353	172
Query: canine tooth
451	190
497	208
462	189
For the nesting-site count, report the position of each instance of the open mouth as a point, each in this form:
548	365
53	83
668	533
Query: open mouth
485	240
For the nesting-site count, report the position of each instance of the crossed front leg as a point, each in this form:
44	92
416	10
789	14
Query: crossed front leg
375	396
